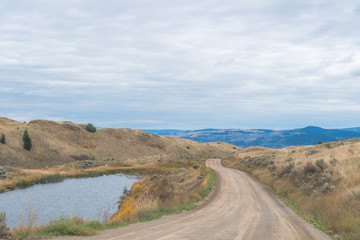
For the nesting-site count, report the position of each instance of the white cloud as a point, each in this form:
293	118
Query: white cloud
187	64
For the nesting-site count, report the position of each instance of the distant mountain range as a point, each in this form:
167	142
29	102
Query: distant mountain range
263	137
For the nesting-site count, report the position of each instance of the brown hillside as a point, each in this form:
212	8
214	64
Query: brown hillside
57	143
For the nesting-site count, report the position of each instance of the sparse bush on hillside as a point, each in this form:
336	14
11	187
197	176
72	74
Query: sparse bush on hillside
286	170
321	164
3	139
258	161
27	140
90	127
309	169
311	152
333	161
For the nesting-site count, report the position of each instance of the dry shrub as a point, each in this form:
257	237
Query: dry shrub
38	158
28	221
5	232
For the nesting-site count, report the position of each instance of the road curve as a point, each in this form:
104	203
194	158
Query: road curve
241	208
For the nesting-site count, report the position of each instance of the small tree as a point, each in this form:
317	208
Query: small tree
90	127
27	140
3	139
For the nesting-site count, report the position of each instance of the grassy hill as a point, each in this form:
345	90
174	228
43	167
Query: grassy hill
56	143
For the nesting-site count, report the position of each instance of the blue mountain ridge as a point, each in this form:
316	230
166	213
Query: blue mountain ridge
310	135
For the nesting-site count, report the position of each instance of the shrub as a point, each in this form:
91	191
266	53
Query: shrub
309	169
321	164
3	139
311	152
27	140
286	170
90	127
333	161
5	232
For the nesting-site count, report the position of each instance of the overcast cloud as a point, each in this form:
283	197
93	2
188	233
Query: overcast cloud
181	64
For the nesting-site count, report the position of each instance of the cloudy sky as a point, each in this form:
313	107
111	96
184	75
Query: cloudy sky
182	64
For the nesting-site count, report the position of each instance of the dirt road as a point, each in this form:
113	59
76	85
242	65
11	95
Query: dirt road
241	208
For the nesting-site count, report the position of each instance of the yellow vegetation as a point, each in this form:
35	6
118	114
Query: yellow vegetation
128	208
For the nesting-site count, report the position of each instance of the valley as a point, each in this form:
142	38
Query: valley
319	182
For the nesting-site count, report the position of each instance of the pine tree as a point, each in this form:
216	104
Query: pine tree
3	139
27	140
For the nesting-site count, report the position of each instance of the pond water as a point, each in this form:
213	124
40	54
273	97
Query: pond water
90	198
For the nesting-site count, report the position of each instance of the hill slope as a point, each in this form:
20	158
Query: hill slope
56	143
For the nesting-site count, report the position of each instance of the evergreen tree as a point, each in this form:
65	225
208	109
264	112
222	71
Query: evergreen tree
90	127
3	139
27	140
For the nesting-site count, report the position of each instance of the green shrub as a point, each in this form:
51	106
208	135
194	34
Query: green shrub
90	127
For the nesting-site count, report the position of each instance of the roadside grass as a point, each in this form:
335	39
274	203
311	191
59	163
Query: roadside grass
211	182
79	227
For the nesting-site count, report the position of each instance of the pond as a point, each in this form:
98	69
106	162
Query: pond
93	198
